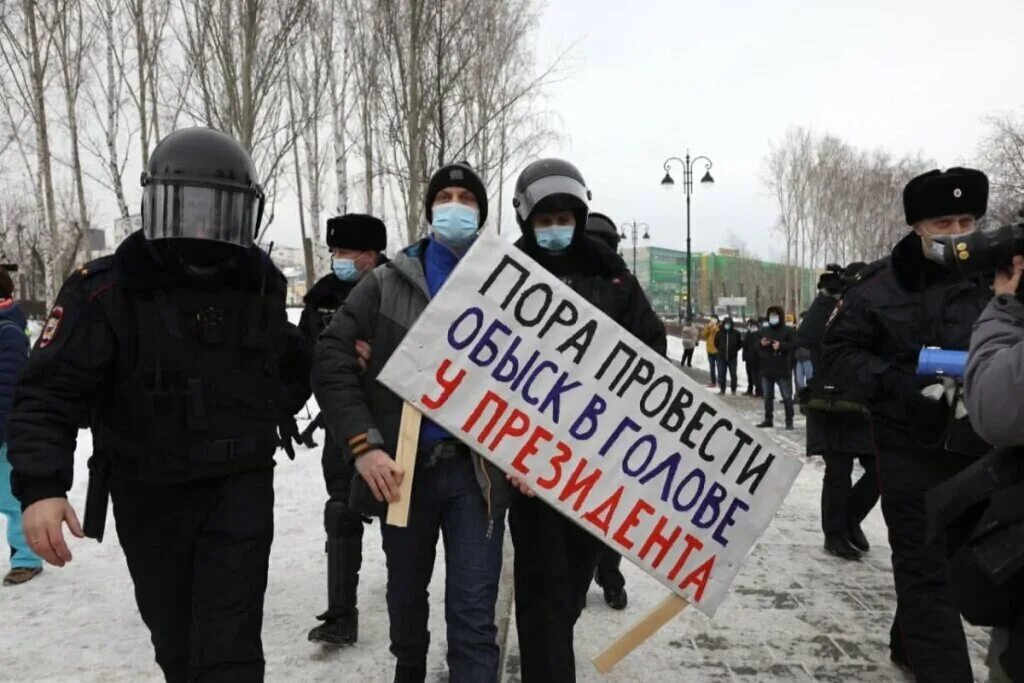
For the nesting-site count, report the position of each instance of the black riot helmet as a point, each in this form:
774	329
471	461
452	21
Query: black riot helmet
554	185
201	185
602	227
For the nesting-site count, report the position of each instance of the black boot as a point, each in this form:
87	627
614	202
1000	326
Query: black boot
344	558
336	630
840	547
767	424
857	538
615	597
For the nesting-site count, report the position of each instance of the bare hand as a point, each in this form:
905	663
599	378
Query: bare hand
765	341
1007	280
42	522
382	474
521	485
776	346
363	351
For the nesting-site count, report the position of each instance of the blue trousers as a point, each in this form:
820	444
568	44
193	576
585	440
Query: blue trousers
10	507
446	499
804	373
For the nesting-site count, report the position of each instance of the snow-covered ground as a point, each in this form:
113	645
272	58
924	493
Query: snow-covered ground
793	609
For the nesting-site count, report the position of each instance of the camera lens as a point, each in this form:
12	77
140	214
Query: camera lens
984	252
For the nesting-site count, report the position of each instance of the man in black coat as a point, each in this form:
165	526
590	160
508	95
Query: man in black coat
729	341
555	558
898	306
751	352
775	355
839	430
356	242
178	354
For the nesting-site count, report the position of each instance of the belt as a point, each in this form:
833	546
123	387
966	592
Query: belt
431	455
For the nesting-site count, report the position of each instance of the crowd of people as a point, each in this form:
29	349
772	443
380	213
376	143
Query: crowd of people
176	352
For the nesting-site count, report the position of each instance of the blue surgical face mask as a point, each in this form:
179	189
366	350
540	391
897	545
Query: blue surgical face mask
728	326
345	269
556	238
773	320
455	224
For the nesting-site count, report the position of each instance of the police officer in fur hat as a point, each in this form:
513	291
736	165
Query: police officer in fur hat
897	306
357	243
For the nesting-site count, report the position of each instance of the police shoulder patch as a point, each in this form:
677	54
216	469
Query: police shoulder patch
52	327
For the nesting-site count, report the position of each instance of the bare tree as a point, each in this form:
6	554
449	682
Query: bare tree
27	48
1002	153
236	52
147	20
72	37
106	103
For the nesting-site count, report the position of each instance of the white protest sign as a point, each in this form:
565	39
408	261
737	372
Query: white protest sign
529	374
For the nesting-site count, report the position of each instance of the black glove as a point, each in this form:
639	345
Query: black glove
287	432
928	417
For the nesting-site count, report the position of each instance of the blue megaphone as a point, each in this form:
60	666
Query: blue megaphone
934	362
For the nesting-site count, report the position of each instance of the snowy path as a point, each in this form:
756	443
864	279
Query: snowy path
795	612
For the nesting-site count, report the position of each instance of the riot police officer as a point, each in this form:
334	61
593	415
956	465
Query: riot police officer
356	242
555	559
177	352
899	305
603	228
608	574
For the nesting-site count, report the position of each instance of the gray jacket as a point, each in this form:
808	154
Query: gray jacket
380	310
995	373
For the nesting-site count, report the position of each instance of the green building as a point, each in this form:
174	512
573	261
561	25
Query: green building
726	282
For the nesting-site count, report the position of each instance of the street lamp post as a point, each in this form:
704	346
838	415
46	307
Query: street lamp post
635	230
668	184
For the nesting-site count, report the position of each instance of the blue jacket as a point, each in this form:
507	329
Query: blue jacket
13	356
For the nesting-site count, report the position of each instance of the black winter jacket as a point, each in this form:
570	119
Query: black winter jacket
751	348
896	307
323	300
777	364
91	345
380	310
729	343
13	356
834	431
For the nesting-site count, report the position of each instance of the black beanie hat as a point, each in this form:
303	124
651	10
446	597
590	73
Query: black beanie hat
937	193
456	175
357	231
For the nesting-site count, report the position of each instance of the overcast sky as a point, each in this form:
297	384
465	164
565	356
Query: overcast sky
645	80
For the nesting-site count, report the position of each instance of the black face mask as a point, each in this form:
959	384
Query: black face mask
202	259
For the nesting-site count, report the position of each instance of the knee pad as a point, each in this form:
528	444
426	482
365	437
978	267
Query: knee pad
340	521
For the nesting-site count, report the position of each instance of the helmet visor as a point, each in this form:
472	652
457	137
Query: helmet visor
193	212
550	186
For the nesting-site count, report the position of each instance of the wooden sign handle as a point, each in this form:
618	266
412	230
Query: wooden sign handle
408	444
665	612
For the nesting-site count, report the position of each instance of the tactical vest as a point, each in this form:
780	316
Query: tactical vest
205	393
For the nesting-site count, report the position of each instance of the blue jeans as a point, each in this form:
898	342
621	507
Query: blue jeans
446	498
10	507
804	373
713	367
786	389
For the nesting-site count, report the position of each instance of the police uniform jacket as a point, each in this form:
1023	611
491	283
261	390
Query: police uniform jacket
896	307
179	378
